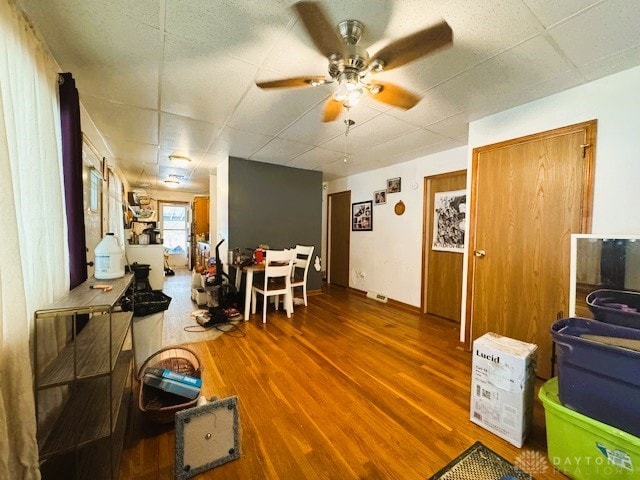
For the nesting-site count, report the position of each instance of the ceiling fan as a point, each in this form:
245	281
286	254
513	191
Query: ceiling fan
350	64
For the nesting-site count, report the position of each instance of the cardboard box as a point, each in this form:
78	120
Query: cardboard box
199	296
502	385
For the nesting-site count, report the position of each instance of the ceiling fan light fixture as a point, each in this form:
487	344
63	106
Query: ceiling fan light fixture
349	91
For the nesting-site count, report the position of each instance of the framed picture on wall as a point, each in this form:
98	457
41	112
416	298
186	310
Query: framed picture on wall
394	185
380	197
362	216
449	211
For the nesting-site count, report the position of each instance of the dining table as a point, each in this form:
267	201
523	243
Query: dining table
248	270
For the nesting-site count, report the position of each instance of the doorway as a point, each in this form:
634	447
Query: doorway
174	228
442	268
528	196
338	235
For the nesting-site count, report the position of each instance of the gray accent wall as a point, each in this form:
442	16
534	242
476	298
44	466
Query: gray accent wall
275	205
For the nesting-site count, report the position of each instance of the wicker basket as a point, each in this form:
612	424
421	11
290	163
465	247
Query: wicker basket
159	406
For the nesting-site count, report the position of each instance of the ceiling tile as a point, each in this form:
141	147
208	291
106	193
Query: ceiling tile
455	126
132	151
210	54
487	85
184	133
270	111
123	122
409	141
550	13
375	131
200	84
490	27
95	45
312	130
245	29
615	63
314	158
279	151
238	143
295	55
424	151
607	28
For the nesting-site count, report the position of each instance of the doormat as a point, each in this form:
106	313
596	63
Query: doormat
480	463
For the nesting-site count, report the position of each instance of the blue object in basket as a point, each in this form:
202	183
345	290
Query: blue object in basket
595	379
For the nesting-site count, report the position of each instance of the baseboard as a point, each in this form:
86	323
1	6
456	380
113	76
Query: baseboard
392	302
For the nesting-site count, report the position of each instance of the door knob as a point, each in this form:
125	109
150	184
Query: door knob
479	253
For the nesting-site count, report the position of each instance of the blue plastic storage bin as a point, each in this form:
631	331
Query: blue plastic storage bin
619	307
595	379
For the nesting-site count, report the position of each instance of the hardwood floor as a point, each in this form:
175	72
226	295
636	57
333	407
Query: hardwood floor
346	388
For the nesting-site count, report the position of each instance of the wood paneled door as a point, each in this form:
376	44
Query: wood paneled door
338	235
201	216
528	196
442	271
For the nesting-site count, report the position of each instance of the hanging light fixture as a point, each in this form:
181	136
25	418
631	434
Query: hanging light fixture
143	180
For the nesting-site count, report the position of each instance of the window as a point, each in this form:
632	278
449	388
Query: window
174	228
95	190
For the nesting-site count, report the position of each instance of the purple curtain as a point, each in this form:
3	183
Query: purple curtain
72	167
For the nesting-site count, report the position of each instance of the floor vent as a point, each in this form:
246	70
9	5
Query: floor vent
377	296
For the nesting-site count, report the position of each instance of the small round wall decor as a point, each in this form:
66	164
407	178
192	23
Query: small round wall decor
399	208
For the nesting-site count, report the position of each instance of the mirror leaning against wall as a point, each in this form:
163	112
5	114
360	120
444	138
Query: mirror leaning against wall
602	263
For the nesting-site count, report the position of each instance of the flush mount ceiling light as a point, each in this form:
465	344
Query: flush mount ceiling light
180	159
169	182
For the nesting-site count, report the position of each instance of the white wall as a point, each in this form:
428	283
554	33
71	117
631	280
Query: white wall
388	259
213	209
614	102
390	256
222	208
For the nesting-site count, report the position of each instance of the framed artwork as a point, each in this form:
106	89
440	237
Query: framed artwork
449	212
362	216
380	197
394	185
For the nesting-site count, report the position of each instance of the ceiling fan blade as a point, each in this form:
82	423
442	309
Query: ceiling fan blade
414	46
293	82
321	30
394	95
331	110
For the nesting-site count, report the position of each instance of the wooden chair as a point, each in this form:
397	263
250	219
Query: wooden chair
277	281
302	258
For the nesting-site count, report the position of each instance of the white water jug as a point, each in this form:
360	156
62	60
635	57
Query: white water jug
109	260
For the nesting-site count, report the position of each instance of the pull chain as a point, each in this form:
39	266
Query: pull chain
349	123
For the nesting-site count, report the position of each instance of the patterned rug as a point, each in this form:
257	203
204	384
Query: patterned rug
480	463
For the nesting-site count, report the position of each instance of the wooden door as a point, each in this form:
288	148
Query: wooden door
201	215
442	292
339	233
528	196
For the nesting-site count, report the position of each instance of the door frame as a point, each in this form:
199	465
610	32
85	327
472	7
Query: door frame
328	233
590	128
427	219
190	237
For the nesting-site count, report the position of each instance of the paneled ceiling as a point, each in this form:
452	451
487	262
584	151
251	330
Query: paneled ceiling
161	77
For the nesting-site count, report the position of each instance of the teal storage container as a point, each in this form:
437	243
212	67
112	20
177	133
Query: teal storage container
583	448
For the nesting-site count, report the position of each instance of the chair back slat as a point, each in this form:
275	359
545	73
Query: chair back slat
278	263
